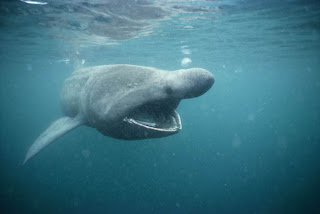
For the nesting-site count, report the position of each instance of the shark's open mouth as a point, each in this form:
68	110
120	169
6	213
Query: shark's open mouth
158	116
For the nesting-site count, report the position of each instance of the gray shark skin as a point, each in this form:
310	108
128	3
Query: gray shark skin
124	101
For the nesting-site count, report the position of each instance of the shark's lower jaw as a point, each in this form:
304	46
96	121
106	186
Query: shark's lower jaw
159	117
172	124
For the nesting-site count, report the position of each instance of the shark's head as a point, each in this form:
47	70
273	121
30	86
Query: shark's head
148	107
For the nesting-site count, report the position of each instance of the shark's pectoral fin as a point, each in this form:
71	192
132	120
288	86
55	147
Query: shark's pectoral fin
54	131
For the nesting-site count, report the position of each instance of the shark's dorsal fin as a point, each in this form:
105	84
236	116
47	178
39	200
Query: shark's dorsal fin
54	131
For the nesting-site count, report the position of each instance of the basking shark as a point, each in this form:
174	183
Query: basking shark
124	101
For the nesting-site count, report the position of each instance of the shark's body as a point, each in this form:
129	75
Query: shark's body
124	101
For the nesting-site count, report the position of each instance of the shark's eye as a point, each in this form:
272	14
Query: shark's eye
169	90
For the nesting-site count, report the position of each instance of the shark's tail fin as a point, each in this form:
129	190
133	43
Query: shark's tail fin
54	131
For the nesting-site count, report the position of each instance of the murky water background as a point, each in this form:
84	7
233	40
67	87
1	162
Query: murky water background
250	145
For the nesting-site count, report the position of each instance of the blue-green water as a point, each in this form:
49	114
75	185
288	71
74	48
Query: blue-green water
249	145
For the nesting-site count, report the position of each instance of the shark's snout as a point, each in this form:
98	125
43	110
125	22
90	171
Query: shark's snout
189	83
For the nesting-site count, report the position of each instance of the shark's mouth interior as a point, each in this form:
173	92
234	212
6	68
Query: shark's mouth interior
158	116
